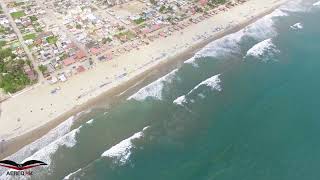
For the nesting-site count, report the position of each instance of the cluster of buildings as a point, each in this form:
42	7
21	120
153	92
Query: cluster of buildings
9	41
67	37
52	49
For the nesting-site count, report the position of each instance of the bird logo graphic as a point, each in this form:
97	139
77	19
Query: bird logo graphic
26	165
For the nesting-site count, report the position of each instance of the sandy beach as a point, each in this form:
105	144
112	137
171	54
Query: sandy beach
30	114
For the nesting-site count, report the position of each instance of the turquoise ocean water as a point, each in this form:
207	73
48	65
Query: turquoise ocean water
245	107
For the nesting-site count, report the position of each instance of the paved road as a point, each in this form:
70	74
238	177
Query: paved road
20	37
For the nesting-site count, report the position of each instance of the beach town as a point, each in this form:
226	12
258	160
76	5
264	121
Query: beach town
70	52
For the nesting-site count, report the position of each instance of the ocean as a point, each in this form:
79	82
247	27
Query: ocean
244	107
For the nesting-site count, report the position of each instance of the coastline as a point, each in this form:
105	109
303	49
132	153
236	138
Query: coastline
15	142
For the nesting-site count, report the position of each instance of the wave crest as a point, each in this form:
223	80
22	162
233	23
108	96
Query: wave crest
154	89
212	82
316	3
45	140
258	49
121	152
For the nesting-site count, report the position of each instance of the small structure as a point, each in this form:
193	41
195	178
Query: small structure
69	61
30	73
80	54
80	69
62	78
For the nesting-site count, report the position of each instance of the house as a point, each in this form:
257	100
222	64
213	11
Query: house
30	73
80	54
95	51
69	61
80	69
62	78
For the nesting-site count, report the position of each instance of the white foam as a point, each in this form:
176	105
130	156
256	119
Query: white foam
51	136
90	121
261	29
180	100
44	154
296	26
225	45
121	152
316	3
202	96
154	89
260	48
295	6
71	174
212	82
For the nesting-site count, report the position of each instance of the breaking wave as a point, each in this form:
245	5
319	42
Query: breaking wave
316	3
71	174
295	6
44	154
296	26
90	121
259	49
121	152
212	82
51	136
154	89
259	30
180	100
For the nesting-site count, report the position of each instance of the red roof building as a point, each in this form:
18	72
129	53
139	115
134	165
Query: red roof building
95	51
80	69
30	73
69	61
80	54
203	2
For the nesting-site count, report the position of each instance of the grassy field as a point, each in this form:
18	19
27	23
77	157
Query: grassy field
127	35
30	36
52	39
19	14
139	21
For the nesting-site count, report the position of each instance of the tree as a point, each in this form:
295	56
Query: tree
162	8
12	75
78	26
43	69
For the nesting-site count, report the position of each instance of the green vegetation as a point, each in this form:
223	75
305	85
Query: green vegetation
121	28
30	36
19	3
125	35
3	29
33	18
162	9
2	43
78	26
52	39
12	76
43	69
139	21
214	3
18	14
105	40
39	29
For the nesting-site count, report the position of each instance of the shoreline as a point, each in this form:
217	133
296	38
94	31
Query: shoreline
13	144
